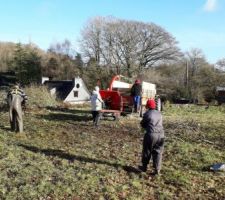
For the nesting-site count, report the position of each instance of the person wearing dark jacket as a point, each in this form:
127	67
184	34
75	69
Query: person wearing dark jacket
136	94
153	142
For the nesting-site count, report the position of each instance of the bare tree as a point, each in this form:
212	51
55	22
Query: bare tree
202	76
62	61
220	64
64	48
130	44
196	59
91	34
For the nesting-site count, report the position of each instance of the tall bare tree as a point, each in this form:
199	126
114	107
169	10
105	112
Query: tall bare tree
220	64
196	59
130	44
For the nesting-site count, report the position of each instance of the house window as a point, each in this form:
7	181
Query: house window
75	93
77	85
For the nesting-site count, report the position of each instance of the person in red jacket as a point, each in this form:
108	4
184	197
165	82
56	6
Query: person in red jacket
153	142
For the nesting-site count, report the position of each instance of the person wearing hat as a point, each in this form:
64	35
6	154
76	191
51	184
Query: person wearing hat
153	142
96	105
136	94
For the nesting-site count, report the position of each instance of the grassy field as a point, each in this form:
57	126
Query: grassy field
62	156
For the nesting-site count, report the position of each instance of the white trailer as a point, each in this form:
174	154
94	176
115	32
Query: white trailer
149	92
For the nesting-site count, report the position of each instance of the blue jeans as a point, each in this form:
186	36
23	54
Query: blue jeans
136	100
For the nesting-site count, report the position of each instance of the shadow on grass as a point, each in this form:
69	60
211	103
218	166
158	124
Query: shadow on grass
71	114
206	169
72	158
5	128
66	117
4	108
67	110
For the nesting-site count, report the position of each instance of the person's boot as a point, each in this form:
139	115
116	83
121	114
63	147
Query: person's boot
142	168
135	108
157	172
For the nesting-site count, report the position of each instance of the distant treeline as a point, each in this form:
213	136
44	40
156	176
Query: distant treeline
112	46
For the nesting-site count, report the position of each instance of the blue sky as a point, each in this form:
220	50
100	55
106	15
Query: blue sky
194	23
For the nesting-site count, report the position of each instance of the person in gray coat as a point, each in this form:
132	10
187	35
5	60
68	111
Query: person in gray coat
96	105
153	142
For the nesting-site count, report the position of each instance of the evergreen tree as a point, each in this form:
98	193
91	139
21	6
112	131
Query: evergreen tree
27	65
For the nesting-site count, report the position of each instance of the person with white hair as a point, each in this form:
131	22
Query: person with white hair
96	105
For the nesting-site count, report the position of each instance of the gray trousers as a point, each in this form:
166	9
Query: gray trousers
153	145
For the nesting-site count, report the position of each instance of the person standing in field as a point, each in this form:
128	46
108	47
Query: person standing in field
153	142
16	89
96	105
16	99
136	94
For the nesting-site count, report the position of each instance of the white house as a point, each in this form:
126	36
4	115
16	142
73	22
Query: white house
69	91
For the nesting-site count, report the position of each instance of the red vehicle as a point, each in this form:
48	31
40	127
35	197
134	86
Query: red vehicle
117	98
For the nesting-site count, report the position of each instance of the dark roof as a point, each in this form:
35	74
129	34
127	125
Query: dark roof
63	88
7	78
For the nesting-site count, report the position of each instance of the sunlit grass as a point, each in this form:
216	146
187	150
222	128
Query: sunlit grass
61	155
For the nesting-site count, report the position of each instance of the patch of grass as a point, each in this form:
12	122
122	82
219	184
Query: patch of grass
62	156
39	96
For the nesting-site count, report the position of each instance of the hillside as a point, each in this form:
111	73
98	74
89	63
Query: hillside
61	156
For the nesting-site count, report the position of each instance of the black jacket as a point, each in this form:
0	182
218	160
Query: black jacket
152	122
136	90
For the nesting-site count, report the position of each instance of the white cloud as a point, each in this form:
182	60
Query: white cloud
210	5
